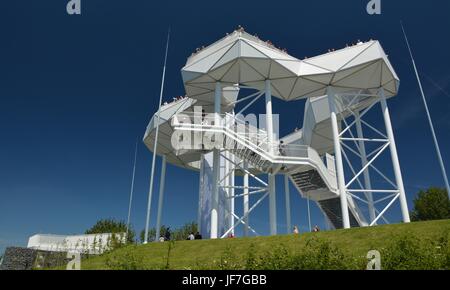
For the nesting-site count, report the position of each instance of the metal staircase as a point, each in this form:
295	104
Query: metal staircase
305	168
332	208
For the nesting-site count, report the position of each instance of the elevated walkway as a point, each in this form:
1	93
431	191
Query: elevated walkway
302	163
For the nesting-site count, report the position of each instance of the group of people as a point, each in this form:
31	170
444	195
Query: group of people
198	236
176	99
269	43
241	29
166	236
314	230
192	237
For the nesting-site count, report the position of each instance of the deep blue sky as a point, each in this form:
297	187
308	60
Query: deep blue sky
77	91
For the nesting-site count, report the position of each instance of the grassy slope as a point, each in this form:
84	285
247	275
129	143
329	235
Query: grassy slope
201	253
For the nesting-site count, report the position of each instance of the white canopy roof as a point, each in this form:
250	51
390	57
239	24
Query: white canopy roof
241	58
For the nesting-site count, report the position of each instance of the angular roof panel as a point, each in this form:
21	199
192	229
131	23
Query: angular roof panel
241	58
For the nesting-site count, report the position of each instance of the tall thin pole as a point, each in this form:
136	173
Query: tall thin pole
158	117
161	197
436	144
132	189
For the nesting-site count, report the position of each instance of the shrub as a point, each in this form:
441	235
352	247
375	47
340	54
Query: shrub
125	260
251	259
278	259
323	255
228	260
316	255
408	252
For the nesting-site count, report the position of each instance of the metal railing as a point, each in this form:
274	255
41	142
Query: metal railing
249	134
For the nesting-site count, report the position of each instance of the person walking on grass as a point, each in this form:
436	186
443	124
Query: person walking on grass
198	236
167	235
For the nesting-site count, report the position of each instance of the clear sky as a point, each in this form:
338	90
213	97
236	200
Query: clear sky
77	91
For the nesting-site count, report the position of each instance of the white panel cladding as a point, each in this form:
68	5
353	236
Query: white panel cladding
242	58
92	244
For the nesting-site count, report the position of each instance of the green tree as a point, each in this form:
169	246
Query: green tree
178	234
152	233
183	232
432	204
111	226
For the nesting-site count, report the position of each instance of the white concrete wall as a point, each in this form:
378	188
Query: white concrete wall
92	244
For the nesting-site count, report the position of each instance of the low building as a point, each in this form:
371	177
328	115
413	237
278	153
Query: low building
87	244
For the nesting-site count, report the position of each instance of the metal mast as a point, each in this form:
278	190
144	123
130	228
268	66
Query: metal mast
132	188
150	191
436	144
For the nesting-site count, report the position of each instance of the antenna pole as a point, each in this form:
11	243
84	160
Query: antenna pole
436	144
132	189
150	191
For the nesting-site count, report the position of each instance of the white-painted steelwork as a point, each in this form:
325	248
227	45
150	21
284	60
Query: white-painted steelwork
340	87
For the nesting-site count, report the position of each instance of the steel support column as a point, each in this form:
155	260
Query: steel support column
246	202
269	121
339	163
272	205
394	157
288	203
367	183
216	167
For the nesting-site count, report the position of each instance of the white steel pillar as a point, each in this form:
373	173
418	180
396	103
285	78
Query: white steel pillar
216	167
232	193
272	205
309	213
269	121
246	201
288	203
161	196
362	152
200	195
394	157
339	163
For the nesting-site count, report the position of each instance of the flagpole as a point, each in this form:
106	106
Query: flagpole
150	191
132	189
436	144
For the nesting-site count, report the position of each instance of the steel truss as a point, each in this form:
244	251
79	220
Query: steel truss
355	145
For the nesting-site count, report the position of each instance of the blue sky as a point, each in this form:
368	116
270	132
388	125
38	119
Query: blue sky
77	91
